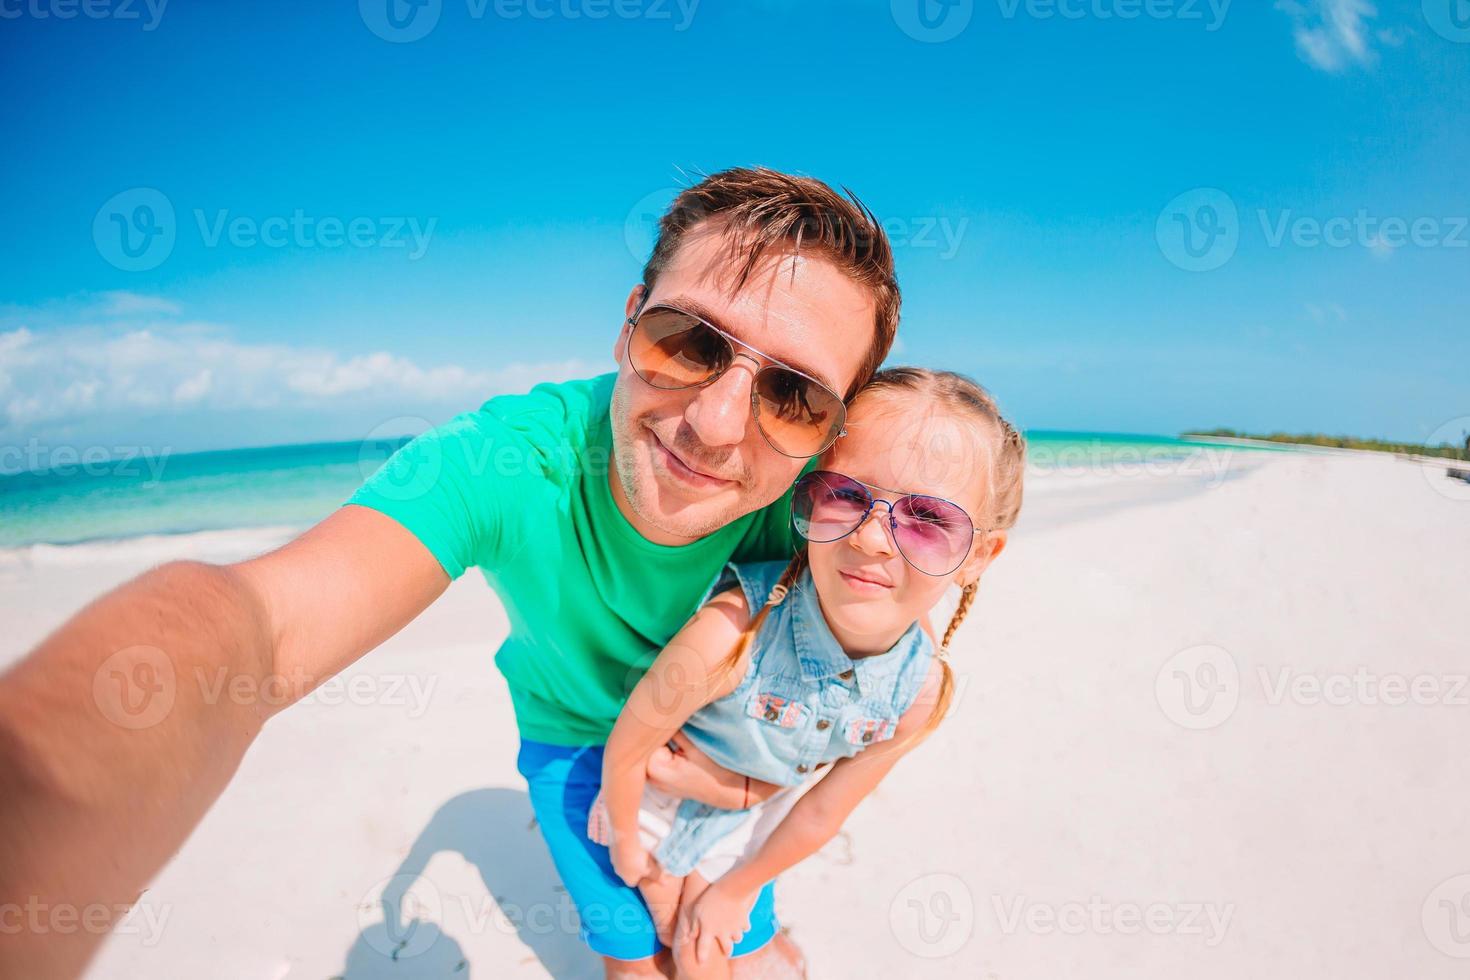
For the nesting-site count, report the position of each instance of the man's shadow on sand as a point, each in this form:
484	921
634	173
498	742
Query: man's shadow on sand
494	830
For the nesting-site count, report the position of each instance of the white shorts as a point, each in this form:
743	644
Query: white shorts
656	819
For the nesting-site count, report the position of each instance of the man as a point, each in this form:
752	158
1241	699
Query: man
599	510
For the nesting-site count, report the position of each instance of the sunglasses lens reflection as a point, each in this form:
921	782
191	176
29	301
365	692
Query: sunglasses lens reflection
933	534
671	349
798	416
826	506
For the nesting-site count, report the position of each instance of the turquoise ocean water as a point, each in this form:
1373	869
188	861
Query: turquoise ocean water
299	485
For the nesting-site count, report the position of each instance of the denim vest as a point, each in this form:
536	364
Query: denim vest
802	704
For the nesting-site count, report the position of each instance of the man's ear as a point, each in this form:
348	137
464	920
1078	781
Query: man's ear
630	309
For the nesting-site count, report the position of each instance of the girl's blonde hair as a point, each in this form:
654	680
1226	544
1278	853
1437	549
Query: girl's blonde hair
954	395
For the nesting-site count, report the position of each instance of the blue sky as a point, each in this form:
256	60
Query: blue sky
1037	163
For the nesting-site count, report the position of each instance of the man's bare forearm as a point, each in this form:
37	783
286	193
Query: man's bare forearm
690	774
116	735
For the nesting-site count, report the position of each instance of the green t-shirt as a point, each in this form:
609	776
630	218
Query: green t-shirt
520	490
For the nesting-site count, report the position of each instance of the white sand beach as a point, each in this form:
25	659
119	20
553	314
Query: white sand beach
1211	723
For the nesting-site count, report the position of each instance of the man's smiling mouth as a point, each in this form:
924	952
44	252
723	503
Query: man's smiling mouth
681	470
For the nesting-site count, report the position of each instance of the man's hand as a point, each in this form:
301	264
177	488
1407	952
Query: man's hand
689	774
631	860
718	921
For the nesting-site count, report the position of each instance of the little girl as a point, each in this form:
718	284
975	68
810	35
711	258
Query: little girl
790	668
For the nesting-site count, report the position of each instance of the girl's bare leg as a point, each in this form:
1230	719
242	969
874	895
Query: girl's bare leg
716	967
661	891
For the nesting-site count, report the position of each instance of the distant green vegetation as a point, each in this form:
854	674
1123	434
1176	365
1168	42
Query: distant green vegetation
1346	442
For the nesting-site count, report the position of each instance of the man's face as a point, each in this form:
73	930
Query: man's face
690	461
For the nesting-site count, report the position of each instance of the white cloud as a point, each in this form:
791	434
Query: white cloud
1331	34
1380	248
195	388
122	303
81	376
1394	37
1323	314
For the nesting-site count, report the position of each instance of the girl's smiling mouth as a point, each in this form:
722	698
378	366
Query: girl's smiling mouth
865	581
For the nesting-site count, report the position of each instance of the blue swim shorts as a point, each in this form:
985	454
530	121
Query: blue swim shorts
563	782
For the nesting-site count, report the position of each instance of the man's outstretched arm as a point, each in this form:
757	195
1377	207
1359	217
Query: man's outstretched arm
116	734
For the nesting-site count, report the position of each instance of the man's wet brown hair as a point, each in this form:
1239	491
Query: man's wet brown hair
763	211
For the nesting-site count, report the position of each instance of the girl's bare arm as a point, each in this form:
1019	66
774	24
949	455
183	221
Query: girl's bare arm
683	679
